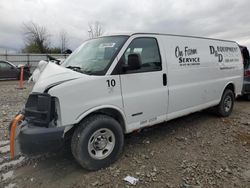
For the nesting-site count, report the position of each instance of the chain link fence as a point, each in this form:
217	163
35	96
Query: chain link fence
31	60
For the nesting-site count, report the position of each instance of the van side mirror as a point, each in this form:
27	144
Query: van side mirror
134	62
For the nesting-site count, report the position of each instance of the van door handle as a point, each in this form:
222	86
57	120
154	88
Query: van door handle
164	77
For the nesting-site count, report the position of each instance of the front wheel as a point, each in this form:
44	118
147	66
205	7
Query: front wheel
97	142
224	109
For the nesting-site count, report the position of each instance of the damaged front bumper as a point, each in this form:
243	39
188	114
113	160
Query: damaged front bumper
29	139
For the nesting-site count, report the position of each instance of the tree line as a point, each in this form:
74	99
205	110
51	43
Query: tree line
37	38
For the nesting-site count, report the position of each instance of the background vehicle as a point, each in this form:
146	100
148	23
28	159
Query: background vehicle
246	61
9	71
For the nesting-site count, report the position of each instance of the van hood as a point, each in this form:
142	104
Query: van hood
53	74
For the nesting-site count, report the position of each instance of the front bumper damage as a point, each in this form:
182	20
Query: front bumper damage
29	139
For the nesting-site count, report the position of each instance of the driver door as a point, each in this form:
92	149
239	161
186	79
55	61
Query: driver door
144	91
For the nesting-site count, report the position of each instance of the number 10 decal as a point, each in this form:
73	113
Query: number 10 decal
111	83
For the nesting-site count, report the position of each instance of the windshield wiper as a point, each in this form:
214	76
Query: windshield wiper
79	69
87	72
75	68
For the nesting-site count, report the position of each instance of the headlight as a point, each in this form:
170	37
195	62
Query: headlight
40	109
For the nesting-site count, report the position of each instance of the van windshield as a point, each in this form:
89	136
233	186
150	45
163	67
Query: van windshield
94	56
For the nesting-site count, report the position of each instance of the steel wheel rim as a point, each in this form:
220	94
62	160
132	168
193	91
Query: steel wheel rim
228	103
101	143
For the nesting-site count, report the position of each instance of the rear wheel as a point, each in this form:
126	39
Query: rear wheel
248	97
97	142
225	107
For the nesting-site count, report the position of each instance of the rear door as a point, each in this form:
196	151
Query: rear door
144	91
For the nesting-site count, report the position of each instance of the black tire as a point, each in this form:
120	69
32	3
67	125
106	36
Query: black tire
224	109
87	132
247	97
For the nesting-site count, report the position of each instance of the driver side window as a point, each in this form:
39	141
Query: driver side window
147	49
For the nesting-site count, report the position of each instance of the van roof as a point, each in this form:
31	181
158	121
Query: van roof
149	33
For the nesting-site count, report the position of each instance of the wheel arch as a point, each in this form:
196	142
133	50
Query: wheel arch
230	86
109	110
220	108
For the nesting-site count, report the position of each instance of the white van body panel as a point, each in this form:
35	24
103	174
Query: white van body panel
198	86
145	101
86	94
141	98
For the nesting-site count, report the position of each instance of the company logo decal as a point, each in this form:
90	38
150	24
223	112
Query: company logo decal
219	52
187	56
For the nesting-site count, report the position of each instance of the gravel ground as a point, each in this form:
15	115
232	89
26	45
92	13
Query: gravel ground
198	150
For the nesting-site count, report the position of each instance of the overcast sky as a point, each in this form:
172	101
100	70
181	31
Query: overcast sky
223	19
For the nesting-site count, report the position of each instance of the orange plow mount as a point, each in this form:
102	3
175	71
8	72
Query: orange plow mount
14	123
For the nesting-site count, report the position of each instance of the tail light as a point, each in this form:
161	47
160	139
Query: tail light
247	73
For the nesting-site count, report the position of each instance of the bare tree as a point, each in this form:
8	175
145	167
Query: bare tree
64	40
37	38
95	29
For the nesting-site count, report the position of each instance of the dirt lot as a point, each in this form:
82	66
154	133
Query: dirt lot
199	150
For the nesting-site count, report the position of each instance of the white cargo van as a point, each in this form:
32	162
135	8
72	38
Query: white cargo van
113	85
